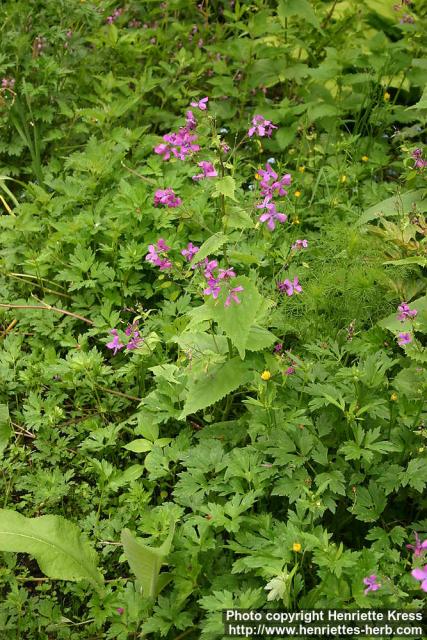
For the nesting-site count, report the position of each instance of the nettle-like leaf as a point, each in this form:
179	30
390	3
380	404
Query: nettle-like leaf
146	561
56	544
5	428
207	388
210	247
236	320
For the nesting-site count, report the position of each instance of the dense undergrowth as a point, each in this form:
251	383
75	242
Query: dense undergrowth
213	312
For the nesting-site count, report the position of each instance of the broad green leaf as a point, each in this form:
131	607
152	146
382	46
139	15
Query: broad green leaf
146	561
259	338
220	380
237	319
5	428
139	446
392	323
300	8
209	247
420	260
54	542
400	203
238	218
225	187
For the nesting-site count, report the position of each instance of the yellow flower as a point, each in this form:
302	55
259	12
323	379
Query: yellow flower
295	221
296	547
265	375
301	169
343	179
393	396
421	449
297	194
365	158
386	96
257	176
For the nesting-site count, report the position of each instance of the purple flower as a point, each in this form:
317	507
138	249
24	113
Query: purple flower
167	197
208	169
289	287
115	343
405	312
299	244
201	104
419	547
213	289
190	121
179	144
232	295
372	584
421	574
271	215
190	251
225	274
278	347
120	611
154	257
290	371
7	83
261	127
404	338
135	339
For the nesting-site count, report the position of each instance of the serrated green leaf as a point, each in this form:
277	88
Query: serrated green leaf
5	428
301	8
55	543
220	380
210	247
237	319
225	187
146	561
259	338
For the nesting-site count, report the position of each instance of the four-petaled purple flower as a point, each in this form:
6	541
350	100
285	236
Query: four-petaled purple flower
261	127
201	104
232	295
419	546
156	259
289	287
404	338
115	344
271	215
300	244
417	155
421	574
190	251
135	339
190	121
213	289
278	347
208	170
167	197
371	583
405	312
179	144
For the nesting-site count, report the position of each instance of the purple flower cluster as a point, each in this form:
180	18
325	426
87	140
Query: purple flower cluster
404	338
405	312
288	287
208	171
132	333
271	185
116	14
179	144
167	197
261	127
8	83
299	244
215	282
420	163
190	251
157	255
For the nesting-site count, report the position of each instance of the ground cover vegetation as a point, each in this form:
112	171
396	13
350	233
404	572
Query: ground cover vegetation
213	312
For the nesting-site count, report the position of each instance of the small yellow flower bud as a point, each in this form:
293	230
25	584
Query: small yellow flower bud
365	158
297	194
296	221
265	375
257	176
296	547
421	449
386	96
343	179
301	169
393	396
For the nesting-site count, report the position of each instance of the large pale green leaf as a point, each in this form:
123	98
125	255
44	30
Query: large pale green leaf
225	187
300	8
392	323
54	542
5	428
219	380
400	203
146	561
237	319
209	247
